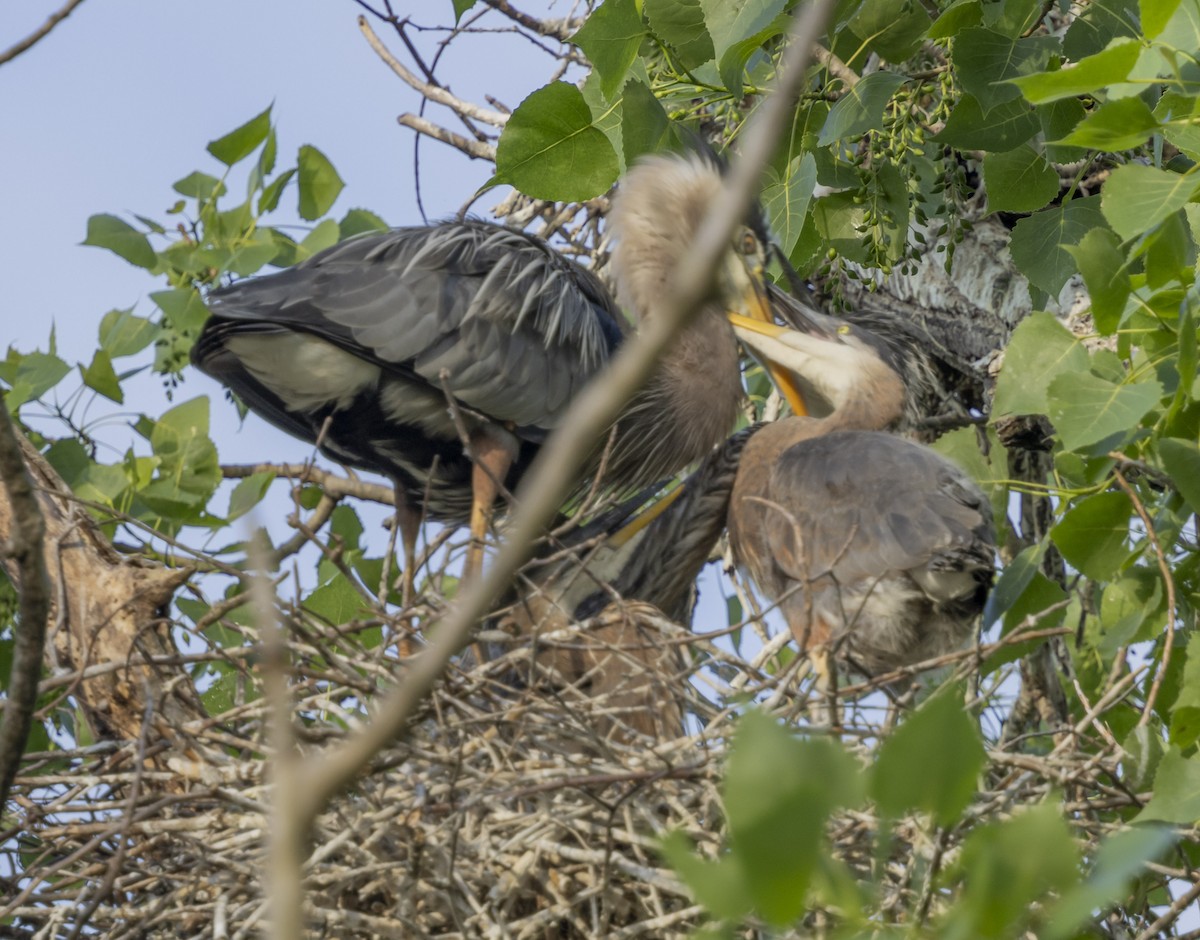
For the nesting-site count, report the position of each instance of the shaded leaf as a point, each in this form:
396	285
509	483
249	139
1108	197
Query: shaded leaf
610	39
122	239
986	60
960	15
1019	181
862	107
1039	243
720	885
1092	535
737	28
337	601
1181	460
1176	790
930	763
1103	266
786	200
551	147
891	28
643	121
680	24
1003	127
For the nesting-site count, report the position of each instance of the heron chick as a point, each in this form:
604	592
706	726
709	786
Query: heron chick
877	549
386	349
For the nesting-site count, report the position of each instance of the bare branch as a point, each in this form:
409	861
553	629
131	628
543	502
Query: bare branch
555	469
472	148
33	582
40	33
334	485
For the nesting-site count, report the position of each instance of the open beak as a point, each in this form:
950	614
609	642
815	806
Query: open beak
757	313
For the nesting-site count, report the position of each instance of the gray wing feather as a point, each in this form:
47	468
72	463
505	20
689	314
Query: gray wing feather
868	504
517	328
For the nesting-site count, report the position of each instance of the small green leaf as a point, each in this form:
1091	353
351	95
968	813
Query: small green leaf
1155	15
1181	460
680	24
551	148
1084	77
240	143
35	374
1092	536
461	7
1136	197
1185	710
1001	128
1086	409
269	199
1040	349
786	200
200	186
737	28
1115	125
248	493
337	601
319	183
323	235
122	239
861	108
1106	275
358	221
719	885
123	334
1019	181
960	15
891	28
101	377
1176	790
1039	242
183	308
931	762
610	38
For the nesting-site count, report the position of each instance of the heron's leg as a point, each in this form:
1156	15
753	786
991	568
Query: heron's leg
824	665
493	452
408	521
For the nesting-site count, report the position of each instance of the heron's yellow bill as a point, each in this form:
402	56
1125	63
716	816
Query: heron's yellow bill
762	322
640	521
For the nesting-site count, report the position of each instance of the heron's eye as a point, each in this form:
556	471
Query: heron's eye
747	243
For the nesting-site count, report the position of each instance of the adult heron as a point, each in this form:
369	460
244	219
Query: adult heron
877	549
387	350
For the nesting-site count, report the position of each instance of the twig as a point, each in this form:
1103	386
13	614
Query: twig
1165	569
32	580
40	33
472	148
555	469
1178	906
331	483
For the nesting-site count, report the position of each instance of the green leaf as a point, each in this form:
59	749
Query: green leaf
1136	197
35	374
1118	862
1155	15
931	762
719	885
248	493
1058	119
960	15
737	28
1115	125
1039	243
1040	349
610	39
1019	181
680	24
1106	275
1086	409
1098	24
183	309
122	239
779	791
891	28
461	7
240	143
1092	536
643	121
200	186
101	377
552	149
986	61
319	183
337	602
786	200
324	235
1007	866
189	471
358	221
1179	117
1003	127
1181	460
1176	790
123	334
1086	76
1185	710
861	109
269	199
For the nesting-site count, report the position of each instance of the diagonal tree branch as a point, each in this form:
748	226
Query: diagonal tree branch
40	33
541	493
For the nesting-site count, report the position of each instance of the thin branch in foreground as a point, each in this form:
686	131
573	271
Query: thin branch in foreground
32	581
40	33
556	467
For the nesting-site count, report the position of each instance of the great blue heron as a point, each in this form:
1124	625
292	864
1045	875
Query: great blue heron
384	350
621	584
876	548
